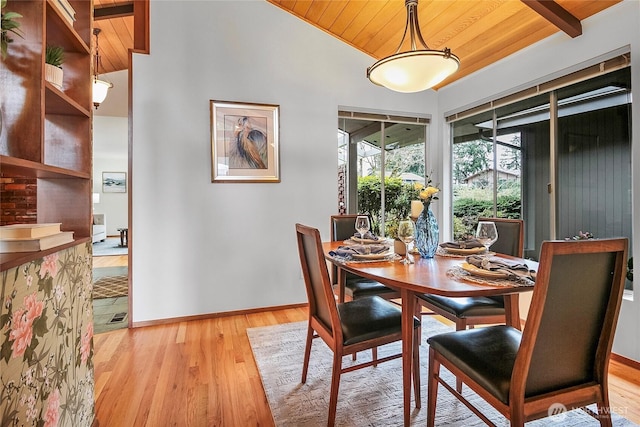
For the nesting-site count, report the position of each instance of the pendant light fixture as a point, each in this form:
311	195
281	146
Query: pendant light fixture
100	87
416	69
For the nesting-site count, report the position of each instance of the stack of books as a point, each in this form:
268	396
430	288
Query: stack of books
67	11
32	237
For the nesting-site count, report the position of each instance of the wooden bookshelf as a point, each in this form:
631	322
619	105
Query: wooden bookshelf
47	132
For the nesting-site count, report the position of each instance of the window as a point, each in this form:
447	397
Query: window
372	146
560	160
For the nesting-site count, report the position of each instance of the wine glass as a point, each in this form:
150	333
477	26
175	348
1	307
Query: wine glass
487	233
406	233
362	225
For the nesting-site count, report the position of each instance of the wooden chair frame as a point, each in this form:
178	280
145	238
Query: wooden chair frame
521	409
331	331
464	322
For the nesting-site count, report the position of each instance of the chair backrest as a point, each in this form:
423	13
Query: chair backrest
322	303
510	236
574	311
342	227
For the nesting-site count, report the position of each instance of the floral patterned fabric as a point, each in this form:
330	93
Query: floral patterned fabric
46	355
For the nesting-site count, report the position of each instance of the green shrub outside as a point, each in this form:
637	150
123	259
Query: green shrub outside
469	204
398	196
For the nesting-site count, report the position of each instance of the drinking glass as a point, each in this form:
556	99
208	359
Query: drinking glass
487	233
406	233
362	225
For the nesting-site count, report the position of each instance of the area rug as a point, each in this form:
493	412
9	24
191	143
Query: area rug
110	287
110	246
369	396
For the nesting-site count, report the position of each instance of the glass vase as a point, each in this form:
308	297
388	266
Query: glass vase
427	233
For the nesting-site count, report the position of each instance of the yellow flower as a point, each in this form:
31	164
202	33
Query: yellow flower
418	186
428	193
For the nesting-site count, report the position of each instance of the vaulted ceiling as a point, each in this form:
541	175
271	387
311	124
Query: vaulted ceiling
479	32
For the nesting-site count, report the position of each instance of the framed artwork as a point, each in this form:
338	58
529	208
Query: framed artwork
245	142
114	182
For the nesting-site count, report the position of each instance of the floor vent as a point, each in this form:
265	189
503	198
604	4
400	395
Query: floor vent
118	317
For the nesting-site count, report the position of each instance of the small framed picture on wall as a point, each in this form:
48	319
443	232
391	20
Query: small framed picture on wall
114	182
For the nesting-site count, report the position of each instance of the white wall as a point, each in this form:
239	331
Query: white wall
605	32
200	247
110	154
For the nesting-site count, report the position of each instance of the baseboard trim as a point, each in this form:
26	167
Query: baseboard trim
625	361
214	315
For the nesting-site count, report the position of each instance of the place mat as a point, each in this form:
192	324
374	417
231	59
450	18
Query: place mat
459	273
445	253
343	260
358	241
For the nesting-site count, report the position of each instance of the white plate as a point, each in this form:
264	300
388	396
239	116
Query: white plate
469	251
365	241
472	269
381	255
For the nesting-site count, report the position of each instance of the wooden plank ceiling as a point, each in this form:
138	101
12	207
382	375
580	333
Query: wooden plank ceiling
479	32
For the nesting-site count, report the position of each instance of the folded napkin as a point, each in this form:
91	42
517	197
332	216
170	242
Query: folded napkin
348	251
368	235
517	271
496	263
462	244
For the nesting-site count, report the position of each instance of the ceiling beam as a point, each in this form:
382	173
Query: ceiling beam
118	10
557	15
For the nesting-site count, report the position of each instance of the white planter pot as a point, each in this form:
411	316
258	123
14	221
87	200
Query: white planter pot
53	75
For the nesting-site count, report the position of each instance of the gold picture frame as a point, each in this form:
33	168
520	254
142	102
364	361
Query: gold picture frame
245	142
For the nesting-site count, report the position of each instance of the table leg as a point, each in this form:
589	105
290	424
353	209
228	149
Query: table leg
408	309
342	278
512	310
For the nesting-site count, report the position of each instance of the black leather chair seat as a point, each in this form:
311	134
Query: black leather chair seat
369	317
467	307
486	355
358	287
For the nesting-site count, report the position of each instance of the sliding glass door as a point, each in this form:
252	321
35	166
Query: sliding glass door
560	160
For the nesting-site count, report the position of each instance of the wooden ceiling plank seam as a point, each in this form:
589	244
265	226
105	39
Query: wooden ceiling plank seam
504	21
363	19
477	61
424	10
439	35
316	10
557	15
331	14
384	13
347	17
287	4
302	7
390	32
109	57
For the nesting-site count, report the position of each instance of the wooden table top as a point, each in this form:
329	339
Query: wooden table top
426	275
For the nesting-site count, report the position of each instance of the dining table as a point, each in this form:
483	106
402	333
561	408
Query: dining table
427	276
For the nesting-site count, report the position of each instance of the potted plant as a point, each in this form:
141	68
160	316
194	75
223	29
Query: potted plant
8	25
53	60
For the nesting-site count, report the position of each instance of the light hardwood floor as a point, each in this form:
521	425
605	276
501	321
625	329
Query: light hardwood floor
202	373
110	261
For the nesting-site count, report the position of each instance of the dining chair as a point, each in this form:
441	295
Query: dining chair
467	312
358	325
342	228
470	311
561	357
